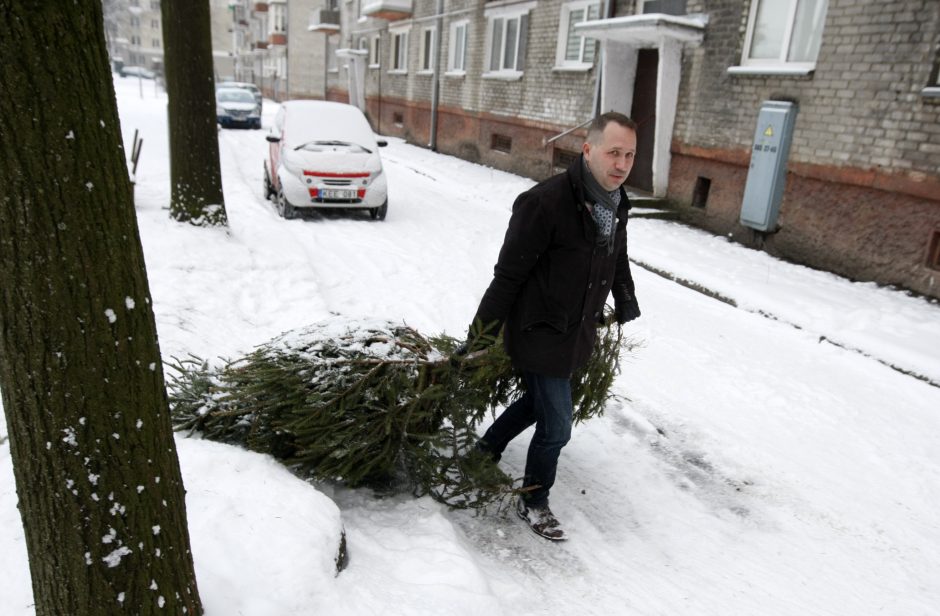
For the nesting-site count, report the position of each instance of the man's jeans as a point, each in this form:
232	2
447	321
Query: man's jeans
546	403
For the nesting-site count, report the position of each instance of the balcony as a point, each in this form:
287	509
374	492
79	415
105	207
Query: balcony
260	7
392	10
324	20
277	38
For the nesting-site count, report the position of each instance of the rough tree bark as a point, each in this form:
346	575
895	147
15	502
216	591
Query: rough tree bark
195	173
97	476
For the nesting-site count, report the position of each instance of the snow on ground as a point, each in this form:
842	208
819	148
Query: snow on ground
745	467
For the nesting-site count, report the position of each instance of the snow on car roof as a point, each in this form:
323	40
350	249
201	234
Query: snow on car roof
237	84
307	121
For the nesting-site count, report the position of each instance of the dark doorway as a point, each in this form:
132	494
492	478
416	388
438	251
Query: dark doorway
644	114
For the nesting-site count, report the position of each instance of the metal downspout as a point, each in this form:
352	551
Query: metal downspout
436	84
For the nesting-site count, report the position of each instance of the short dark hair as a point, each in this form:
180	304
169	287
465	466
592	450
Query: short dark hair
600	123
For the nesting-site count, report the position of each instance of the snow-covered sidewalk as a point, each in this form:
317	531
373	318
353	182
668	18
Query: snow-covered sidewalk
887	325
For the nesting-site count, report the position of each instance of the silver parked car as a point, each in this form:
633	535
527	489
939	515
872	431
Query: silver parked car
242	85
237	107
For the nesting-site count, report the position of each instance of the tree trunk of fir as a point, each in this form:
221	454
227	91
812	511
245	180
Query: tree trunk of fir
97	476
195	174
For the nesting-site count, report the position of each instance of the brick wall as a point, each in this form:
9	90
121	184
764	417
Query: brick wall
860	232
861	107
863	189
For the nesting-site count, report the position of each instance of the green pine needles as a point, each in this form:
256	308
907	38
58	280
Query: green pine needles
372	403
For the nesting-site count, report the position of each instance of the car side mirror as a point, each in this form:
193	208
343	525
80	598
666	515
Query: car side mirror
382	143
273	139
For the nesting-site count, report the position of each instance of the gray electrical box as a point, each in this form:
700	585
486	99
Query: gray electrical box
768	171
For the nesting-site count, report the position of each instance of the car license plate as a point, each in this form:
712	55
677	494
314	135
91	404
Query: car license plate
336	193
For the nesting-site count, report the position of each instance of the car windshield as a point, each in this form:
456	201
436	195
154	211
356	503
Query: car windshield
319	145
234	96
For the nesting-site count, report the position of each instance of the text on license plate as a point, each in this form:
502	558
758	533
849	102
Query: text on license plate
337	193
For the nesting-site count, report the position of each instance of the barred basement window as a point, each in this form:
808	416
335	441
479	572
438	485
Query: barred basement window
501	143
398	118
933	252
563	159
700	192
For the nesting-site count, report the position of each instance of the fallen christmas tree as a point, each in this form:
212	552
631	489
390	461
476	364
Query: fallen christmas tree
371	403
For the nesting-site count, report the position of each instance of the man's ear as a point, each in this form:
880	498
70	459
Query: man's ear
586	149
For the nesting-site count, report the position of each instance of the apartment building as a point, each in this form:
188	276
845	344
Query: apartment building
250	43
134	33
507	83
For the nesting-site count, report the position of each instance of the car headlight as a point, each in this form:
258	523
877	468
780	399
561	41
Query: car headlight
220	111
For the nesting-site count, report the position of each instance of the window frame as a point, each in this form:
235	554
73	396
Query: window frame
398	53
932	89
278	20
781	64
504	15
566	32
375	60
426	55
452	51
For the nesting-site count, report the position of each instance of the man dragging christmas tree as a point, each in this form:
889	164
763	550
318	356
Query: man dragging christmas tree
565	250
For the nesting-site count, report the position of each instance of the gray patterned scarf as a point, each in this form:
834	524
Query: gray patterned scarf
605	207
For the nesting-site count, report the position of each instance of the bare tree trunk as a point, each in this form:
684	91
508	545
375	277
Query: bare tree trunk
97	476
195	172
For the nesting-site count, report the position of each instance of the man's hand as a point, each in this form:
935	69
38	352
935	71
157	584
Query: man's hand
479	339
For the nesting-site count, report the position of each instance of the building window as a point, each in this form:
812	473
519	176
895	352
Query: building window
562	159
155	24
374	52
154	5
135	21
507	31
784	33
501	143
278	17
135	40
932	89
427	50
155	43
933	250
399	51
700	192
669	7
457	54
575	51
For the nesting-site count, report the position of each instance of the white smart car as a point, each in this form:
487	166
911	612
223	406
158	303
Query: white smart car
324	155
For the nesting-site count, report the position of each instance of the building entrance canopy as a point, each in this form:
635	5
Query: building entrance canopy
649	30
622	38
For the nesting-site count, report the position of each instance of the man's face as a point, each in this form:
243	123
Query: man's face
611	160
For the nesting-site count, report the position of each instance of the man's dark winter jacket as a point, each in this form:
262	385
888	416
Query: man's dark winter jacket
551	280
